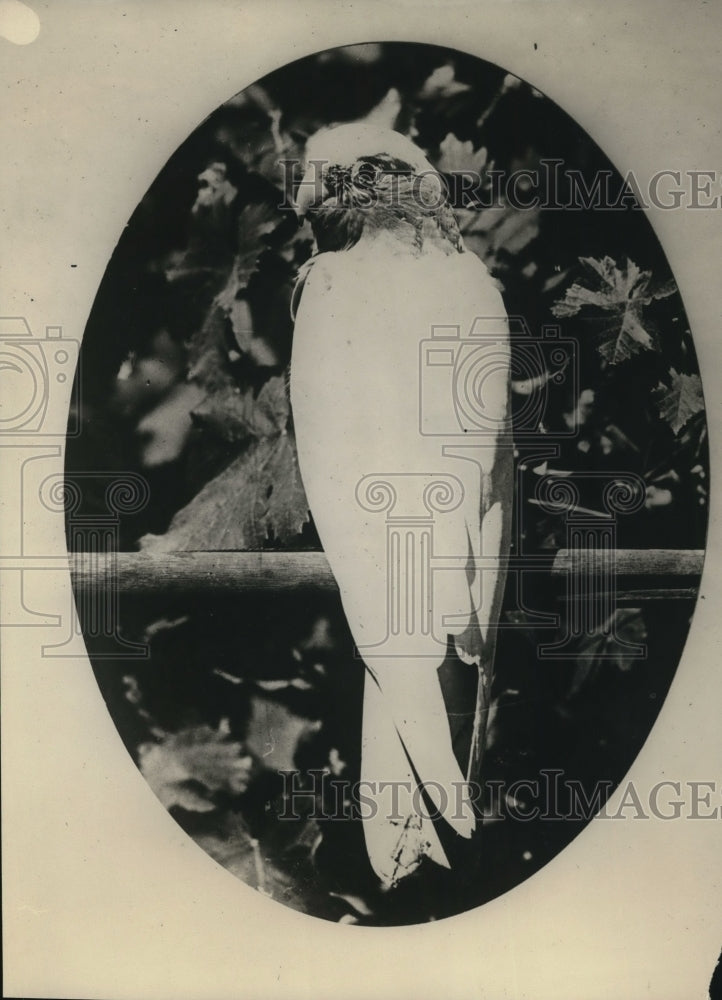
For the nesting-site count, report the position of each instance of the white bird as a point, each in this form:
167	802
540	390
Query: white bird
373	419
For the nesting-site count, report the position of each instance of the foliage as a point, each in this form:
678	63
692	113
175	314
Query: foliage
259	495
201	356
184	380
621	293
681	401
191	767
609	644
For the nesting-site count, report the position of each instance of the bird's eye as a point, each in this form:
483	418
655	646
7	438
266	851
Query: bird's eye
365	174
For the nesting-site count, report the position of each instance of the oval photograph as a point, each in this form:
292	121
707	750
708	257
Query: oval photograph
387	490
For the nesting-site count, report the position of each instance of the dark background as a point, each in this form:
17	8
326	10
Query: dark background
183	382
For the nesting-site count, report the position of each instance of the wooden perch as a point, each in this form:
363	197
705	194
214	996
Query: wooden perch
639	575
642	574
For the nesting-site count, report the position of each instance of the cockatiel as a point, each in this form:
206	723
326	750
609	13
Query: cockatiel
390	268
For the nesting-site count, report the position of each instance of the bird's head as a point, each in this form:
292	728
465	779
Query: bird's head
360	177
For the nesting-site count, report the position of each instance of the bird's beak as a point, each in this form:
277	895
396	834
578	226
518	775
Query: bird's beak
311	191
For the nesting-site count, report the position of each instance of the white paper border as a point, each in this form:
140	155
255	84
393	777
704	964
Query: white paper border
103	894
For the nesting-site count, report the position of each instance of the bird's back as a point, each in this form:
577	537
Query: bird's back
362	318
356	391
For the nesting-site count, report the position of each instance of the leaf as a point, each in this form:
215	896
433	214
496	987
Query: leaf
190	767
242	324
499	229
238	852
215	191
510	82
516	230
582	412
206	257
442	84
236	414
163	431
553	280
274	732
681	400
208	349
619	295
460	156
258	496
257	348
657	496
275	873
526	386
385	114
254	222
608	643
287	509
260	145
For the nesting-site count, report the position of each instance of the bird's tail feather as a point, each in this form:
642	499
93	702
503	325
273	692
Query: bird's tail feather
409	766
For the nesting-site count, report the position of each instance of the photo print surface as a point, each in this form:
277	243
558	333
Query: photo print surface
387	487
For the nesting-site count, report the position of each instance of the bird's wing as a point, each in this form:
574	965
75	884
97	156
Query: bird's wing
364	395
369	408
